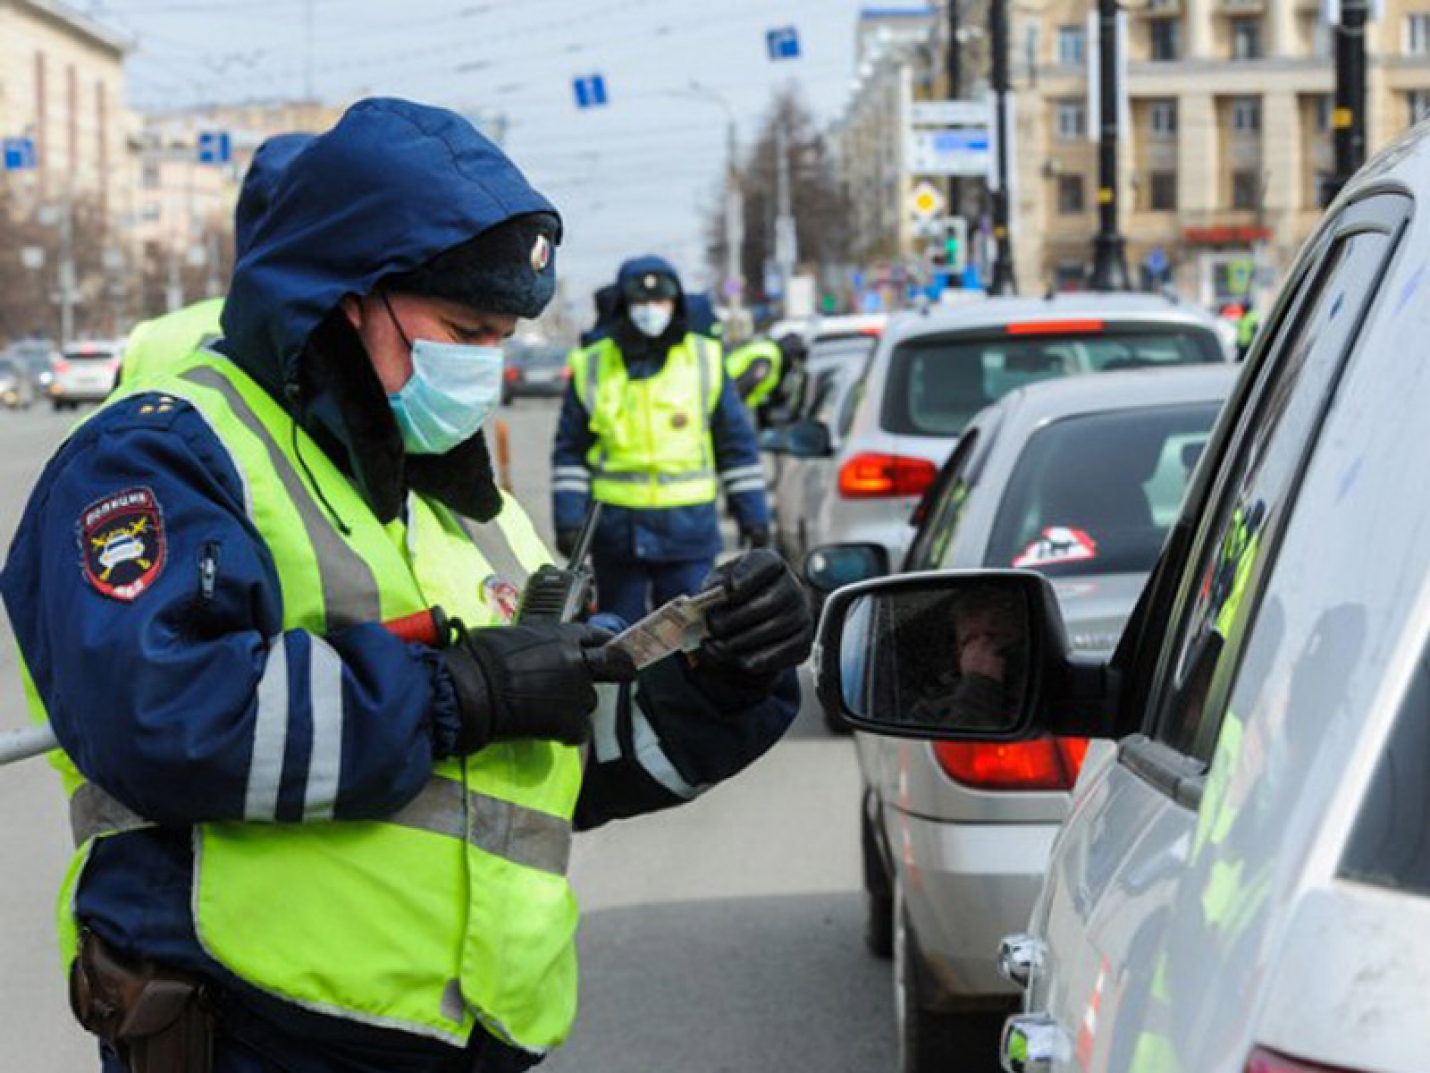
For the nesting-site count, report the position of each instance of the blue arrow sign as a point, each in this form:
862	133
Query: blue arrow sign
590	90
19	154
953	141
215	147
783	43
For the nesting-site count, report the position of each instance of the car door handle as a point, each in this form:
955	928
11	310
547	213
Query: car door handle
1019	956
1032	1043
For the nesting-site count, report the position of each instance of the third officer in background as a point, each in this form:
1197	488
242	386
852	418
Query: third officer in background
650	428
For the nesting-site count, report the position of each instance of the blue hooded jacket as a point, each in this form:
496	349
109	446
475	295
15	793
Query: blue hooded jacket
154	688
671	534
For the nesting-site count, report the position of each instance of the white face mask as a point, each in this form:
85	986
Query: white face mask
453	390
652	318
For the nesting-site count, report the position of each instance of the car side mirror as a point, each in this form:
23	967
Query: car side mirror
809	439
833	566
958	655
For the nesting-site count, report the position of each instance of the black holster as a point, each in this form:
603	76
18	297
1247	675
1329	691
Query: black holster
158	1020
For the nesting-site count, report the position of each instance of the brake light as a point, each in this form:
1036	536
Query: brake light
875	332
875	476
1264	1061
1056	327
1045	764
565	372
511	372
60	366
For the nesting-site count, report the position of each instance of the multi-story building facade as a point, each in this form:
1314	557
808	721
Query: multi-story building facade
62	89
1225	143
1227	135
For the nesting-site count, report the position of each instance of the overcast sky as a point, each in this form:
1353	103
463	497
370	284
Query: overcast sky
630	178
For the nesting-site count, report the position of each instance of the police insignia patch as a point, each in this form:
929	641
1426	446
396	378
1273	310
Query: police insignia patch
122	540
679	420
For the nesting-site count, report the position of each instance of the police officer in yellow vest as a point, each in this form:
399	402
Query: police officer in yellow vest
154	344
321	827
650	427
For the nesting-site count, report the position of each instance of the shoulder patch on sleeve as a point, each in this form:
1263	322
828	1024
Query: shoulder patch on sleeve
122	543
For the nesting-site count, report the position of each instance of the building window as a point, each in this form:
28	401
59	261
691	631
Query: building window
1246	114
1162	118
1070	196
149	175
1162	191
1166	39
1323	112
1072	44
1418	101
1417	34
1072	120
1245	190
1245	39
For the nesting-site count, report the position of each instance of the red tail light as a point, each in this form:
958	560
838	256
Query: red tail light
1263	1061
565	372
60	366
1056	327
875	476
511	372
1045	764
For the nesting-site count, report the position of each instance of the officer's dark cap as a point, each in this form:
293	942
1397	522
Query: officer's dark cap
508	269
649	286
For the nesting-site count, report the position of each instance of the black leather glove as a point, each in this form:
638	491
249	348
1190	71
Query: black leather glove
755	536
566	541
518	682
764	626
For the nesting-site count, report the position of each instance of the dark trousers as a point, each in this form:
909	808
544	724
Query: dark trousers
632	588
231	1055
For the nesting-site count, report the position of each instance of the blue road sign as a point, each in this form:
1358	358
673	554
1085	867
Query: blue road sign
1156	261
19	154
783	43
215	147
590	90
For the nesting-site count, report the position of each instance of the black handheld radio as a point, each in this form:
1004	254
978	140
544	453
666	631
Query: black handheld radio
555	594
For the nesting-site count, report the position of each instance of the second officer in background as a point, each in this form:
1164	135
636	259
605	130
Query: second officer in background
651	426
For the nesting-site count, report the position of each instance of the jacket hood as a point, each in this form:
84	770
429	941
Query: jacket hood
392	185
631	341
259	182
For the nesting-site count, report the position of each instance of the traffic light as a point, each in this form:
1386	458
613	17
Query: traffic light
955	245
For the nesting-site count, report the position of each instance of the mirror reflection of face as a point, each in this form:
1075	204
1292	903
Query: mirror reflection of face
983	636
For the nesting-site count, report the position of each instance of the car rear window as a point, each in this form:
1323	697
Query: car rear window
937	383
1096	494
89	355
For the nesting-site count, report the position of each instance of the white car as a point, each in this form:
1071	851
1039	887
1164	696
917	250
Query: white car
85	372
1243	882
933	371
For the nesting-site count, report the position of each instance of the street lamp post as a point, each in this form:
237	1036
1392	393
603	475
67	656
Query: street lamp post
1348	116
734	199
1003	281
1109	249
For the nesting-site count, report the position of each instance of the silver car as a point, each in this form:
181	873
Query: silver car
1080	479
1243	880
933	371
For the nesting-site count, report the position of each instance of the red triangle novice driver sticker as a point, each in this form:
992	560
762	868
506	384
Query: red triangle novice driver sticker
122	539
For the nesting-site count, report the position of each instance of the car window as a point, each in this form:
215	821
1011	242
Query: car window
827	397
937	383
1389	845
1094	494
1256	491
934	538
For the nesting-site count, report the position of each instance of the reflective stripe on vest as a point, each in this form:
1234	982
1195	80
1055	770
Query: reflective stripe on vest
455	910
653	447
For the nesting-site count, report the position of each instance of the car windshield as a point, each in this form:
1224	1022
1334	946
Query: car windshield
1096	494
938	382
537	355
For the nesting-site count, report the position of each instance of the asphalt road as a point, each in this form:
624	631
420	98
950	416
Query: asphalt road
724	935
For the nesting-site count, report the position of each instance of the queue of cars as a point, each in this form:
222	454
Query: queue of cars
84	372
1079	479
1242	880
